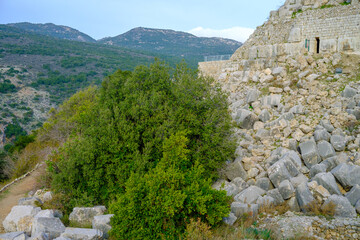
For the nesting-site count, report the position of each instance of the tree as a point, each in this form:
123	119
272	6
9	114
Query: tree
121	141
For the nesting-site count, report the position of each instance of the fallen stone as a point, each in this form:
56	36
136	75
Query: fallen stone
263	183
322	134
272	100
327	125
276	195
330	163
46	213
312	77
48	196
82	234
328	181
20	218
318	168
338	142
13	236
252	96
304	196
40	236
354	195
230	220
293	205
83	216
265	201
102	223
239	209
348	175
230	188
309	153
245	119
249	195
235	170
240	183
349	92
51	226
286	189
357	206
264	116
296	181
343	207
282	170
325	149
32	201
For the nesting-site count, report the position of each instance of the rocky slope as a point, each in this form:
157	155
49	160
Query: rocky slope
173	43
52	30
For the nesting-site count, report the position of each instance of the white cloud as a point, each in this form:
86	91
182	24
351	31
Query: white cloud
240	34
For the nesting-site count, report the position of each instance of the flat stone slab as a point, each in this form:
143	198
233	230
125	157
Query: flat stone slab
82	234
53	227
13	236
249	195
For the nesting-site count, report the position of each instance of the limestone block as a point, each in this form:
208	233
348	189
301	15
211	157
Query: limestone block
53	227
249	195
102	223
295	35
239	209
354	195
328	181
230	220
348	175
82	234
309	153
325	149
83	216
276	195
13	236
303	196
235	170
343	207
20	218
245	118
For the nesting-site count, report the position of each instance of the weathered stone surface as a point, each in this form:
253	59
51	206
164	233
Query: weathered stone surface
296	181
293	204
354	195
343	206
235	170
240	183
348	175
265	201
272	100
102	223
277	71
275	194
338	142
322	134
51	226
263	183
252	96
83	216
32	201
249	195
239	208
327	125
230	220
20	218
328	181
282	170
264	116
325	149
46	213
40	236
47	196
309	153
230	188
349	92
82	234
330	163
62	238
318	168
303	196
357	207
262	134
245	119
13	236
286	189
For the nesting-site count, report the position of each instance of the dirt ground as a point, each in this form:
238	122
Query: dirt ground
11	196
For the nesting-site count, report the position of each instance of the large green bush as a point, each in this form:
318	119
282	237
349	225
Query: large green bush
118	149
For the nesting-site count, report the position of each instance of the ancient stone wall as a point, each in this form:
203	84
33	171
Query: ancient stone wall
212	69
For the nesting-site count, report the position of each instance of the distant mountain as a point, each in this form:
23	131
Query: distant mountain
52	30
173	43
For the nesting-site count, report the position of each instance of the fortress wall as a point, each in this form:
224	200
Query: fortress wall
212	69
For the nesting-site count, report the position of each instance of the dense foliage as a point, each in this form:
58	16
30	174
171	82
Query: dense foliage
155	136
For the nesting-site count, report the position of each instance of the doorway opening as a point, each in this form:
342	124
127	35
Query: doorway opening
317	45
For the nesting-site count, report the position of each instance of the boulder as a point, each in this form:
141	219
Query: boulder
13	236
48	196
230	220
230	188
263	183
328	181
325	149
239	209
357	207
252	96
32	201
330	163
20	218
304	196
348	175
296	181
327	125
46	213
264	115
322	134
277	71
343	207
282	170
349	92
265	201
318	168
286	189
338	142
354	195
272	100
234	170
276	195
240	183
83	216
102	223
82	234
249	195
40	236
309	153
245	119
293	205
53	227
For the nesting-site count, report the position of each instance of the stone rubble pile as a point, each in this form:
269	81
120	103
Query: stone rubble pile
27	221
298	136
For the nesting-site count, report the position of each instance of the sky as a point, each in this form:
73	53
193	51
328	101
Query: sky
235	19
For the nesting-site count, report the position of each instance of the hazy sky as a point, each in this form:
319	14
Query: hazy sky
102	18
